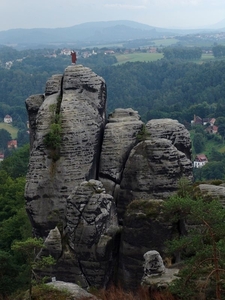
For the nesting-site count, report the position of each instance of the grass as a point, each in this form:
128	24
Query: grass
164	42
209	145
146	57
132	57
117	45
44	292
12	130
41	292
207	57
143	293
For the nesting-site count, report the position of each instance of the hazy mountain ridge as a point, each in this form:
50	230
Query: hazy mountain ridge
97	32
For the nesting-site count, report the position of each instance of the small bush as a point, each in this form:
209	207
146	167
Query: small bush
53	139
42	292
143	134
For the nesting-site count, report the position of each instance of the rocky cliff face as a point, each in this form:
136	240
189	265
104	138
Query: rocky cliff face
106	183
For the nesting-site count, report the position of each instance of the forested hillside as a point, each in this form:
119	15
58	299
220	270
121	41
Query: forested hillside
14	223
164	88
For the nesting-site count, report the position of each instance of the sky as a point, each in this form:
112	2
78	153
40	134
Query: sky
66	13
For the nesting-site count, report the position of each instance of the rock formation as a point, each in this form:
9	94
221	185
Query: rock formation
96	198
214	191
75	291
156	275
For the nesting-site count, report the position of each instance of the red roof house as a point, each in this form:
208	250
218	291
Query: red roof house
12	144
200	160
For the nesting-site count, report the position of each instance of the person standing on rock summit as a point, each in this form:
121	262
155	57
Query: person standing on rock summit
74	57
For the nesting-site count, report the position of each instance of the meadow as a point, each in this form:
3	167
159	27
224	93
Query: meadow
12	130
137	56
148	57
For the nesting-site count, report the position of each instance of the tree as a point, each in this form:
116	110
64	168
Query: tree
22	137
16	164
213	170
198	142
218	51
5	137
30	248
221	130
202	247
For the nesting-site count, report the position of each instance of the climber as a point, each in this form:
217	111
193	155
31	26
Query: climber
74	57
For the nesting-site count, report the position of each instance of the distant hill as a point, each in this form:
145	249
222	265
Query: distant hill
219	25
86	34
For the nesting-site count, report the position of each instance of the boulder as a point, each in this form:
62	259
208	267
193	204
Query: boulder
214	191
75	291
153	264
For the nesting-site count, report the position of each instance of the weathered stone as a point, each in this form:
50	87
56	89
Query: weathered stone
82	113
83	120
171	130
68	268
53	85
144	228
161	281
53	243
75	291
133	161
215	191
33	103
153	170
120	137
92	230
153	264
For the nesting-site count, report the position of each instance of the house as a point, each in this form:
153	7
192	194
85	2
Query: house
152	50
200	160
213	129
8	119
1	156
65	52
12	144
197	120
210	121
109	52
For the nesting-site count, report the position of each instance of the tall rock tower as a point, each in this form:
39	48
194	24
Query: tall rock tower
92	183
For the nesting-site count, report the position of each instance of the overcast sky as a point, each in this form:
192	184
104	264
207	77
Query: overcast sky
65	13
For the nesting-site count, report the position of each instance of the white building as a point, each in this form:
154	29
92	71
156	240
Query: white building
200	161
8	119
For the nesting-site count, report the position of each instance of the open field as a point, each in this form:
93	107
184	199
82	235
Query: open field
12	130
137	56
207	57
115	45
164	42
132	57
